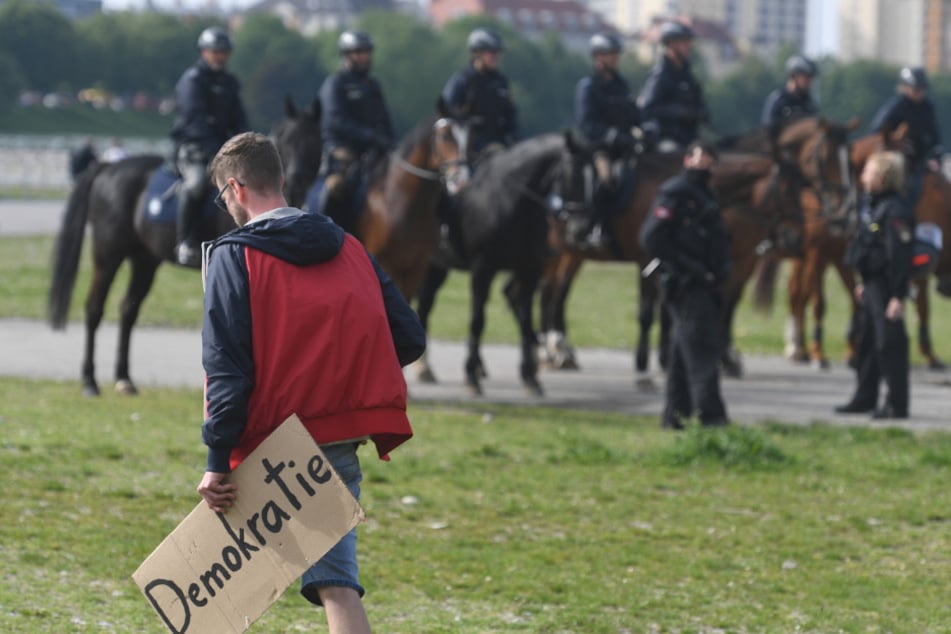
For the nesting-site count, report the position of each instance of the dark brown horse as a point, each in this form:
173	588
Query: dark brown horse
397	221
810	149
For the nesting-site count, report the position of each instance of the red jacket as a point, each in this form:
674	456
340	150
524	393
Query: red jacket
319	338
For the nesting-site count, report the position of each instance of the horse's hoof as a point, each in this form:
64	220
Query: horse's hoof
90	390
822	364
936	364
473	388
646	384
533	387
733	369
640	361
569	363
126	387
425	375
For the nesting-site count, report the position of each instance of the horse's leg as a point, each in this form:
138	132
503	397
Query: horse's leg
559	353
519	293
140	283
922	303
730	359
480	283
795	327
817	283
104	272
432	280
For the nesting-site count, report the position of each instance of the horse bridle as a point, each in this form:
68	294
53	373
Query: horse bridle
843	190
444	166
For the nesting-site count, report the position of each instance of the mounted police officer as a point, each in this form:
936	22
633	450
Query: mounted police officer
794	100
208	113
686	234
605	113
922	143
479	95
356	124
672	103
881	251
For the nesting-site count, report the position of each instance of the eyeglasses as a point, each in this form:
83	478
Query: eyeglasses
219	199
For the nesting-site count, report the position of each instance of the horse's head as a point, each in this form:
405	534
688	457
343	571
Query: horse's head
820	150
300	145
450	154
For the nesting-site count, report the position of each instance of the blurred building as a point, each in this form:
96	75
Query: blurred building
905	32
571	20
760	26
312	16
714	44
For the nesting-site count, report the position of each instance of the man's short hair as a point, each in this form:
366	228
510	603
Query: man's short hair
252	159
706	147
891	167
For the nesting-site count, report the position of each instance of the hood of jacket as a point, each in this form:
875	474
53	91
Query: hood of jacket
291	235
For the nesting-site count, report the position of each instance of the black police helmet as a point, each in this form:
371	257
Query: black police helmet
484	40
672	31
604	43
351	41
913	76
800	65
214	38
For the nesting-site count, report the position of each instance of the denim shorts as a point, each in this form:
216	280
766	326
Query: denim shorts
339	566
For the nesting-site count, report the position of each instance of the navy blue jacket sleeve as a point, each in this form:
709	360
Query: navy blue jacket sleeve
586	110
335	114
193	111
409	337
227	354
769	117
511	116
657	103
887	117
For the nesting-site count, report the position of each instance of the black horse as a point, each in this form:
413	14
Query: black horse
130	220
500	223
299	143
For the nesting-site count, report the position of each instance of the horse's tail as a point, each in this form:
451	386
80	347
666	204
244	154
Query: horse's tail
764	291
68	247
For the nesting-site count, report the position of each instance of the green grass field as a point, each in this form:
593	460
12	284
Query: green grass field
602	310
502	519
524	520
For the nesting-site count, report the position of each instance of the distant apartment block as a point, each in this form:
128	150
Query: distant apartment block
312	16
76	8
574	22
900	32
760	26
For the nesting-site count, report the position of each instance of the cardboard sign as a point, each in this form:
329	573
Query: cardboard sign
219	572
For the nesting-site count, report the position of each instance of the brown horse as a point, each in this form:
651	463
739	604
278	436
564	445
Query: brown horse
825	246
398	220
810	150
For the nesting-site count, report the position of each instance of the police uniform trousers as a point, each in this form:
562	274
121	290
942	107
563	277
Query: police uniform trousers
693	376
883	351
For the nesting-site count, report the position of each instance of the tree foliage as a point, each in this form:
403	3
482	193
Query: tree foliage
126	52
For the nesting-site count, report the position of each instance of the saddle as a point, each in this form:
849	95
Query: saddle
161	198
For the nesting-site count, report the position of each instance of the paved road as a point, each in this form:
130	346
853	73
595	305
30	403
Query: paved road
773	388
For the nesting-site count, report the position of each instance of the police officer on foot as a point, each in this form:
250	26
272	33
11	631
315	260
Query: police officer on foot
922	142
355	118
794	100
672	103
479	95
605	113
208	112
686	233
881	252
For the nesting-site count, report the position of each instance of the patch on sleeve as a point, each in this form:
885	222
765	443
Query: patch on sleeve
662	213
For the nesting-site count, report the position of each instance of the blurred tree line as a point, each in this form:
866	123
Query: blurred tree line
125	52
